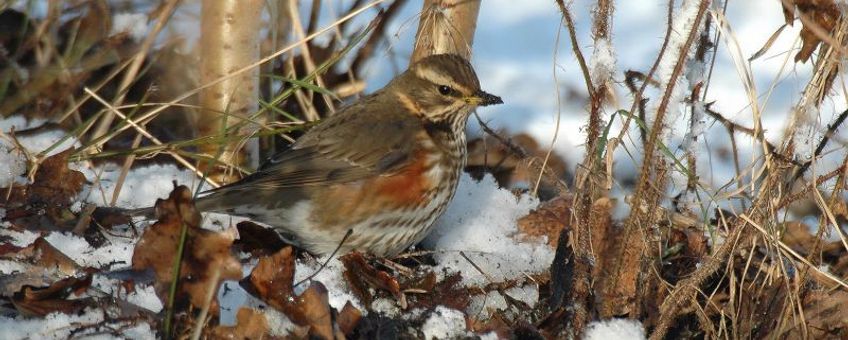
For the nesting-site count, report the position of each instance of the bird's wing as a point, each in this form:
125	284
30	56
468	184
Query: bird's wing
351	145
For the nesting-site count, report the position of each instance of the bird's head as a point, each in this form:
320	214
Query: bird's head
441	87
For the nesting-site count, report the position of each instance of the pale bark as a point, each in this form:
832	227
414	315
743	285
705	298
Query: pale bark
229	41
446	26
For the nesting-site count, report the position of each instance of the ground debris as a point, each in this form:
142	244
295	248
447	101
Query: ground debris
206	261
45	203
40	301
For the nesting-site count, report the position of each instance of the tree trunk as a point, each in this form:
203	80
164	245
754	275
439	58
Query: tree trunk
229	41
446	26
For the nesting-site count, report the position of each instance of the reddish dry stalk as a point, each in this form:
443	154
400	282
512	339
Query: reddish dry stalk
587	188
738	238
446	26
645	200
602	19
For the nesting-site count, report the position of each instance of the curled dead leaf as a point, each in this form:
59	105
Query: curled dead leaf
361	275
818	18
314	309
348	318
35	301
206	251
49	196
272	277
548	220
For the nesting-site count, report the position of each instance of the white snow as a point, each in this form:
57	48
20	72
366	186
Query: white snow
21	238
61	326
444	323
805	132
481	223
133	23
12	165
143	295
615	329
682	26
331	276
696	128
37	143
19	122
117	252
140	189
13	161
602	62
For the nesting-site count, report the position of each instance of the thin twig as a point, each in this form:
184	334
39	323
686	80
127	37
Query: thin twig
135	66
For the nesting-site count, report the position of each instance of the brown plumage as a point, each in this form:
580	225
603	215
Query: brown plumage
385	166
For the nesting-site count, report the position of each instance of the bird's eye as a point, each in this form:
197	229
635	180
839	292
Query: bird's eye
445	90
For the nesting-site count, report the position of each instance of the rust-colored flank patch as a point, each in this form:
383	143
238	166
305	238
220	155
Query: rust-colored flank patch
407	187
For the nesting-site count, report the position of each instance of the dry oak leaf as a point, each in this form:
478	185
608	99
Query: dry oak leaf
361	275
821	15
272	279
348	318
548	220
44	265
206	261
34	301
44	255
54	188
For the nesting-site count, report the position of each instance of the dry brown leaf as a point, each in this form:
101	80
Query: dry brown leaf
46	264
348	318
821	13
797	236
489	155
697	245
32	301
826	314
361	275
42	254
314	307
54	188
495	323
448	292
250	324
54	182
206	251
548	220
272	278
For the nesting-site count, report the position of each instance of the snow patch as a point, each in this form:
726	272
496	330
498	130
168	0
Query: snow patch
118	251
683	24
17	238
142	186
615	329
444	323
135	24
481	222
63	326
602	62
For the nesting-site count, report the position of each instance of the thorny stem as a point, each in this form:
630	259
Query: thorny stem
649	180
586	188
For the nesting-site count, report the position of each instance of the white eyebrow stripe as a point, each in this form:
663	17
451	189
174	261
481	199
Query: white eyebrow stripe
437	78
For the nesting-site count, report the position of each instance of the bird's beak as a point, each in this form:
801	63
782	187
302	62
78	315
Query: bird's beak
481	98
